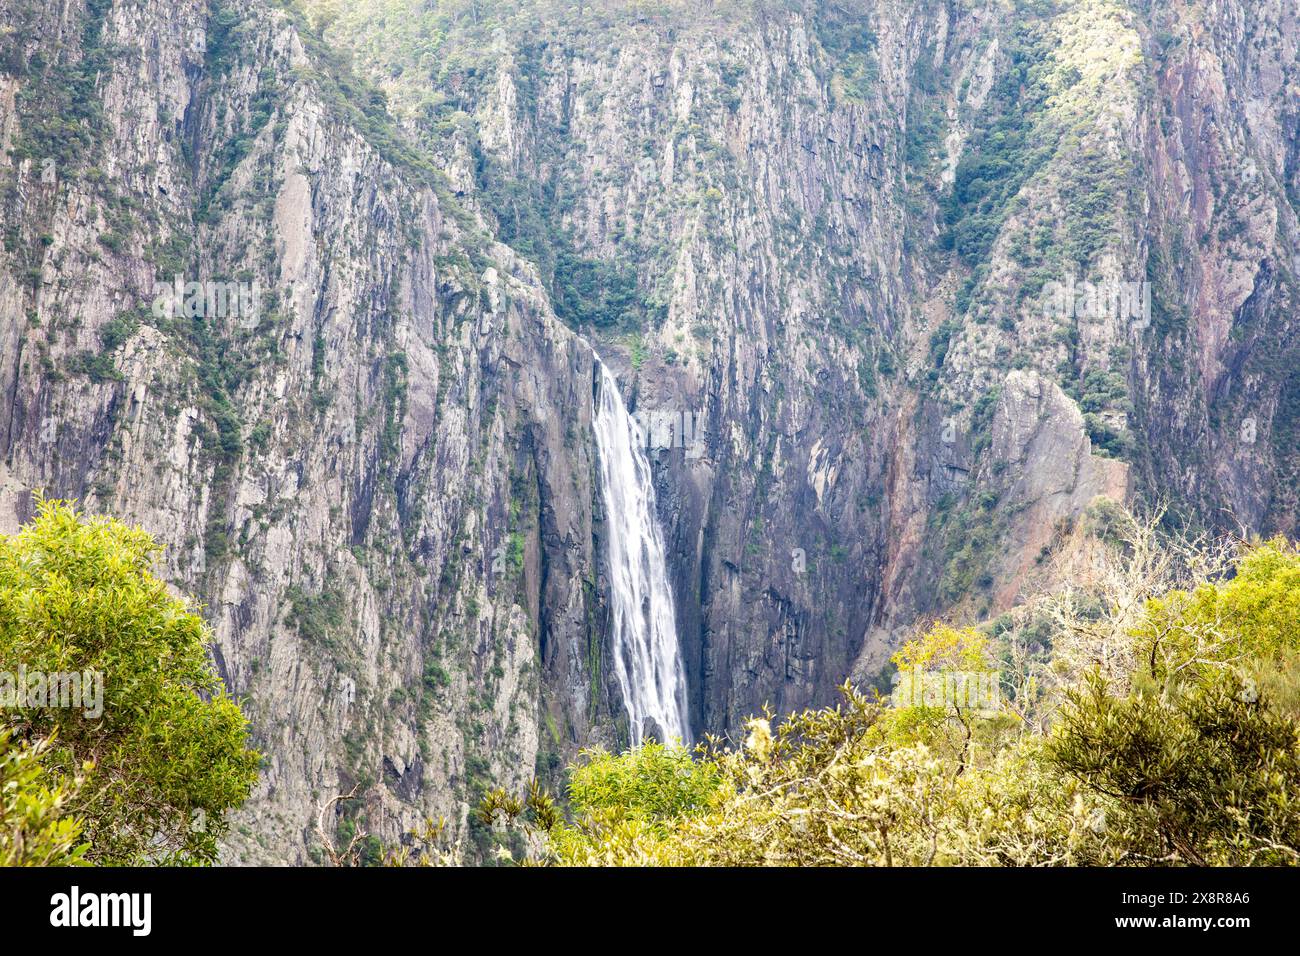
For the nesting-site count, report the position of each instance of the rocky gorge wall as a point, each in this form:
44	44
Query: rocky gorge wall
377	480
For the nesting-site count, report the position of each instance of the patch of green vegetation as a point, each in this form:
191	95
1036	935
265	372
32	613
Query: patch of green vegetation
1170	318
396	369
436	676
98	368
1013	139
317	617
963	541
731	75
636	351
1099	393
515	552
1286	438
844	31
1108	440
925	117
585	291
1102	390
62	115
982	419
940	340
483	838
228	157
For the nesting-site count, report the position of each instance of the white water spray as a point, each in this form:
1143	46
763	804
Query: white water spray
647	659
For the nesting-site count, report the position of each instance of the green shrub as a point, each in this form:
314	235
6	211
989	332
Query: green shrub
168	755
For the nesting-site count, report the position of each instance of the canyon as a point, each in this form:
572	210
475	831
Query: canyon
830	236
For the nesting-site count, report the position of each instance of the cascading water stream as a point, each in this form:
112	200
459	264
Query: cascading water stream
647	659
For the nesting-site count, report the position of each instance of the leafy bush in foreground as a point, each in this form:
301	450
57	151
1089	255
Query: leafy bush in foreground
34	827
164	754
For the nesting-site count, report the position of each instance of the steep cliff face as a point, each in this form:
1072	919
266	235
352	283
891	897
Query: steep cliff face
917	272
832	251
1222	393
712	168
374	468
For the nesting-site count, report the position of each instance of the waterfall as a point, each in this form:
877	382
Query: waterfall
647	659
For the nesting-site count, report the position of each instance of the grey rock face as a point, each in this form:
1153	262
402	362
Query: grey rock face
379	482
